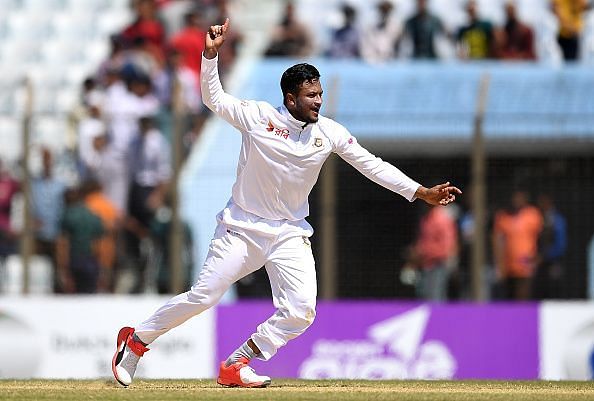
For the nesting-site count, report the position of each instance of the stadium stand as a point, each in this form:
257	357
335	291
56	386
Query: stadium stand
394	107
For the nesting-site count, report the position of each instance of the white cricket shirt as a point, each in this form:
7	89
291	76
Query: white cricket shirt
281	157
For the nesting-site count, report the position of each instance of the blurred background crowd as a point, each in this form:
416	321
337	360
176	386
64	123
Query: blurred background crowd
117	84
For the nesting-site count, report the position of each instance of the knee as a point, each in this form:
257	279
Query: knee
303	317
204	295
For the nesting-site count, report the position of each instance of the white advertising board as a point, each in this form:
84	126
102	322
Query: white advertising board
566	340
75	337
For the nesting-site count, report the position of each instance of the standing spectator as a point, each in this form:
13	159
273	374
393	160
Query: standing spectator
189	43
345	41
435	249
102	207
570	14
161	229
422	29
150	169
123	107
164	84
380	40
139	61
114	62
147	27
47	194
78	268
516	39
290	38
89	127
9	187
475	40
228	54
552	246
515	245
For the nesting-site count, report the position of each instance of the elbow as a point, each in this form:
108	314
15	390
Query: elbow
207	100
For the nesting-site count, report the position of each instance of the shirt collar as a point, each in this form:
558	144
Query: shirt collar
292	120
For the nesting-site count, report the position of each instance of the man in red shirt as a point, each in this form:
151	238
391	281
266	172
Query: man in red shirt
189	42
516	39
148	27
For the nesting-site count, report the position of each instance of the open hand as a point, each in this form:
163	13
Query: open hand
441	194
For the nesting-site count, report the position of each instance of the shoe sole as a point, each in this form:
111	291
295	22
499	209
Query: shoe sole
123	335
253	385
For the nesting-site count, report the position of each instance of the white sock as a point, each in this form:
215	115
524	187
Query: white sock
244	350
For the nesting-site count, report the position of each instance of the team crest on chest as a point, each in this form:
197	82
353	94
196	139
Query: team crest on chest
318	142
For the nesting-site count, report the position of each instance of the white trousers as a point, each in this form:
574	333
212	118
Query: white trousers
233	254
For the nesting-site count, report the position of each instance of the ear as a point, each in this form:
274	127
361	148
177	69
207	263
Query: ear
290	99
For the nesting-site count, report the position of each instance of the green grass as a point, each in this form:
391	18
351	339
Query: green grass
282	390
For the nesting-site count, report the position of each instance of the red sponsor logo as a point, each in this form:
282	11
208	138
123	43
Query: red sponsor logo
283	132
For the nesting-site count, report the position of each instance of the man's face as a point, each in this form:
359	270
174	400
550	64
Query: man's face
305	106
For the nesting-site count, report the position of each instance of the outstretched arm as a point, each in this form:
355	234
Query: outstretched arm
441	194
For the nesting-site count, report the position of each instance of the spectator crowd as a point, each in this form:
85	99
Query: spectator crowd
525	259
109	233
423	35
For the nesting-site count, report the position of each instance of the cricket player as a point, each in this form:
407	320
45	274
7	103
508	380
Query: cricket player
263	224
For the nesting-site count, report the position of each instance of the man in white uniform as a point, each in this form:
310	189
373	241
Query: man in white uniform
263	224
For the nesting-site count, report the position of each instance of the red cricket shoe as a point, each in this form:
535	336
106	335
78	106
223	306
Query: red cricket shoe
126	357
240	374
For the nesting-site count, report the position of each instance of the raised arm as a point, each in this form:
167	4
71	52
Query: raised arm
215	38
240	114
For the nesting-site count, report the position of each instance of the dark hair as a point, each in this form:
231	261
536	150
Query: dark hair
296	75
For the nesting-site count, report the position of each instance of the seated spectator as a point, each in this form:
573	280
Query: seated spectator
422	29
147	27
78	267
345	41
475	40
516	40
380	40
290	38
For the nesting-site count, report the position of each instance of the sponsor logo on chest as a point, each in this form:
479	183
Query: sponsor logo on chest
278	131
